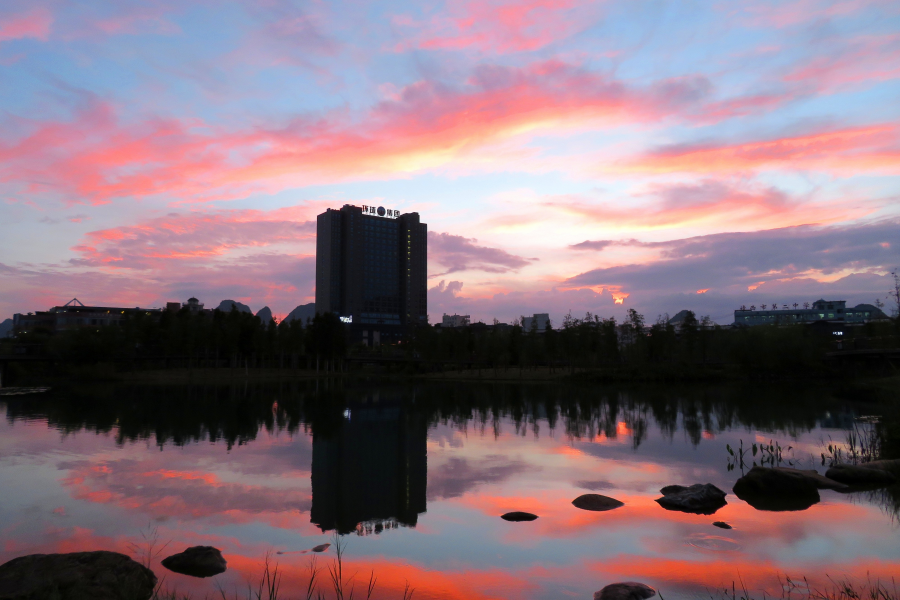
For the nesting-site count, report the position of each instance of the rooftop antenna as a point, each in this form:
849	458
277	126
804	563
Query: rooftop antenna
74	302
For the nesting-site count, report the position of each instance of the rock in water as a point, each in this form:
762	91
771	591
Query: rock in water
864	474
699	499
776	489
596	502
197	561
76	576
518	516
628	590
820	481
722	525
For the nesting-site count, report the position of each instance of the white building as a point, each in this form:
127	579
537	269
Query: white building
541	319
455	320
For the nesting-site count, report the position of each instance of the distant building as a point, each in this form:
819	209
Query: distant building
193	305
541	320
820	310
371	270
74	315
455	320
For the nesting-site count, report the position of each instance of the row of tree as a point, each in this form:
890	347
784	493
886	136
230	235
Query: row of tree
215	338
240	339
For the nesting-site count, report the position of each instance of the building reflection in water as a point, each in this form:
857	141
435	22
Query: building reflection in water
370	473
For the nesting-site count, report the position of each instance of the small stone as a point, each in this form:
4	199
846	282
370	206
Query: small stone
698	499
518	516
722	525
97	575
628	590
596	502
321	548
197	561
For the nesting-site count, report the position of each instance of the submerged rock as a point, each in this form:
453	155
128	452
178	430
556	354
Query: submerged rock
518	516
197	561
722	525
821	482
97	575
627	590
777	489
879	472
596	502
700	498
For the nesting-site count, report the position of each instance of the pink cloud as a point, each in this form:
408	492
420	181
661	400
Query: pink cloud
32	24
736	204
252	256
874	148
95	157
498	26
191	236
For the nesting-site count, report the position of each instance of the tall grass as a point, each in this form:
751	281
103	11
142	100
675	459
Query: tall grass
864	443
268	585
837	589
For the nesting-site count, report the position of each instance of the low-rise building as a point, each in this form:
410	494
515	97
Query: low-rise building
820	310
74	315
538	320
455	320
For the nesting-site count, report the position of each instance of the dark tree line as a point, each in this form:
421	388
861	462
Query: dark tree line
241	340
207	339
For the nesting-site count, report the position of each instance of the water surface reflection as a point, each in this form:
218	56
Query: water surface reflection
422	472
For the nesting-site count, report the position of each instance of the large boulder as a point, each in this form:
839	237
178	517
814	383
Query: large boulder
821	482
518	516
776	489
628	590
699	499
875	473
596	502
197	561
97	575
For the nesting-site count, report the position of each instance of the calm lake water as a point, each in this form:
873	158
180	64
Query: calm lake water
416	476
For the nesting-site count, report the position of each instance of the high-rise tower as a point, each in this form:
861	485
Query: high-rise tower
371	270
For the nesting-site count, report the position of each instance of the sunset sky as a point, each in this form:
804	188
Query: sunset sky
566	155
